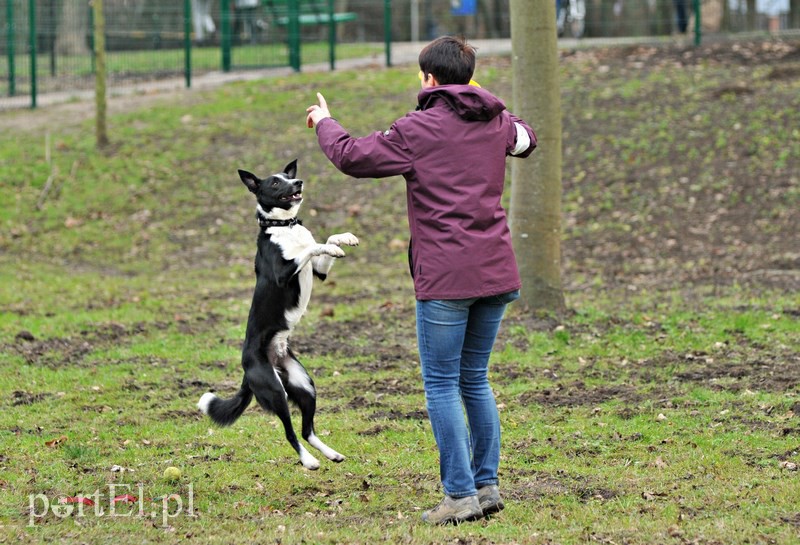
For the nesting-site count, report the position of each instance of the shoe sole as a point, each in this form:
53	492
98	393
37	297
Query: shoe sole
494	508
456	520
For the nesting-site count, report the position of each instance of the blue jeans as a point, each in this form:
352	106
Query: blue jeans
455	340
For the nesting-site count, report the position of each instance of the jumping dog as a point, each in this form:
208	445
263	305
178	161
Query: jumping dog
286	261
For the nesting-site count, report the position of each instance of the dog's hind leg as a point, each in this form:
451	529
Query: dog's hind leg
306	458
300	389
269	391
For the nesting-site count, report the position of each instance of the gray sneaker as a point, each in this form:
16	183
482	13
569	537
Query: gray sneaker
489	499
454	511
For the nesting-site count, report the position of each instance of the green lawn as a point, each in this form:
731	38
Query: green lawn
661	408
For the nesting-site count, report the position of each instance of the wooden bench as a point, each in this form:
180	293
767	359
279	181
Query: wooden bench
311	12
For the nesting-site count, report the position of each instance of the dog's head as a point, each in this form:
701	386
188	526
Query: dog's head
279	195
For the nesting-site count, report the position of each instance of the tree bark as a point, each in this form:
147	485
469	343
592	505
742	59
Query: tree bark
490	14
752	16
794	13
101	132
536	182
72	29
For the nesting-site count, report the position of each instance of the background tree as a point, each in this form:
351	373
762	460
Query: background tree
72	28
752	15
536	182
101	130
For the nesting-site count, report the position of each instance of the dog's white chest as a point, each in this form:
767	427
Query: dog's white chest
294	242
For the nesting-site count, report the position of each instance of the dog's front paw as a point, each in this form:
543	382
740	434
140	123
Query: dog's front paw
329	249
346	239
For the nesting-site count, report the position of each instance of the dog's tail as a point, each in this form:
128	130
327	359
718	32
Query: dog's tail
225	411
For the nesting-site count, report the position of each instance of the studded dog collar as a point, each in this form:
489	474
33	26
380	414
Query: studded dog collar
266	223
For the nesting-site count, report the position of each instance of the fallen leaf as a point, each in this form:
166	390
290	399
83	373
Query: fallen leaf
76	499
53	443
786	464
162	499
125	498
397	244
650	496
659	463
674	531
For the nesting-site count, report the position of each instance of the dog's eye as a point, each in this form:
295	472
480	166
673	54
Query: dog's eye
275	183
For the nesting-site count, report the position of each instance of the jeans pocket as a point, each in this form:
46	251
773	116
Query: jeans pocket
506	298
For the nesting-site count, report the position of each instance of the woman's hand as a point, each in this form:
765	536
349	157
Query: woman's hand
317	112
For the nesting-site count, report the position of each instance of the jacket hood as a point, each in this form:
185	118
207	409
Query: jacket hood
467	101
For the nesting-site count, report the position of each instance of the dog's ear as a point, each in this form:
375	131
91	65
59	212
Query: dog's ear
250	180
291	170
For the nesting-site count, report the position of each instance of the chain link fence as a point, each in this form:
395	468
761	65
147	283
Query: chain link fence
149	39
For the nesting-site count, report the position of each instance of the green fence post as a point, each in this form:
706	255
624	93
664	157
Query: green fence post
91	37
32	36
294	35
697	23
12	81
331	35
225	6
387	29
51	37
187	41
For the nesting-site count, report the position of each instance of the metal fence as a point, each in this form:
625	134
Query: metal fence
46	45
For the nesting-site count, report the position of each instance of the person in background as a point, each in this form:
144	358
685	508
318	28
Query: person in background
681	15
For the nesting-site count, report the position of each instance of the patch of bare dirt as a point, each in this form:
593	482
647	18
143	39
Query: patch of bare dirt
708	207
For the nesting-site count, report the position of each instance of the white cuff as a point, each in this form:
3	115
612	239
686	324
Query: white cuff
523	140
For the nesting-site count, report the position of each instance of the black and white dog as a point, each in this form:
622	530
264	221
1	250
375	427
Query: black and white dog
286	261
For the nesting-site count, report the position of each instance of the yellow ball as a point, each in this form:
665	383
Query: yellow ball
172	473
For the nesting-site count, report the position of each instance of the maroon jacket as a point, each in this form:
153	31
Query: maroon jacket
452	152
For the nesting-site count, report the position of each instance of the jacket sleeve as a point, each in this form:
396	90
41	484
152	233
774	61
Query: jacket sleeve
377	155
521	138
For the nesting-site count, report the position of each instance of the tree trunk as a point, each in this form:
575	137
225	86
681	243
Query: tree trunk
794	14
72	29
101	131
751	15
664	16
490	15
536	182
725	25
607	23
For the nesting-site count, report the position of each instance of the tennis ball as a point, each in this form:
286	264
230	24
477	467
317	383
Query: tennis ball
172	473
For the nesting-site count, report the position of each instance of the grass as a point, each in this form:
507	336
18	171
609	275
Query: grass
661	409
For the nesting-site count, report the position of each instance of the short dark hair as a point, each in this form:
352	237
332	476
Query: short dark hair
450	59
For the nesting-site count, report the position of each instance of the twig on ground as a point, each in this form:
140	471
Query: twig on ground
72	172
53	172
